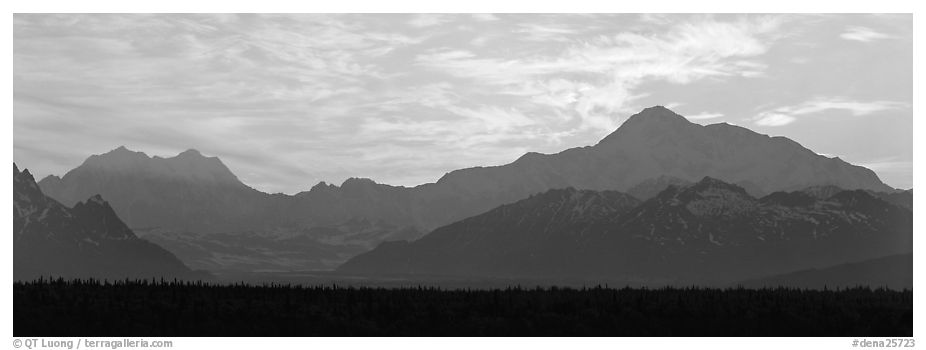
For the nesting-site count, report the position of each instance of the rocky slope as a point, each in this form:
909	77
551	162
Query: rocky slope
88	240
708	232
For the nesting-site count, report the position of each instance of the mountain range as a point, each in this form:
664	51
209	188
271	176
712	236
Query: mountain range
708	232
655	148
86	240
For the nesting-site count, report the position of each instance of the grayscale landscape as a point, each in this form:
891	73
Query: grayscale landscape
463	175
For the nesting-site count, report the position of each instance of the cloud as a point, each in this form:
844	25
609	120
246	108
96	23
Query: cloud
863	34
288	100
704	116
293	87
889	165
893	170
788	114
428	20
774	119
495	118
195	81
598	77
545	32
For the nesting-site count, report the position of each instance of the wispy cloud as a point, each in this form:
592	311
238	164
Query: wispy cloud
406	98
704	116
889	165
863	34
774	119
599	77
545	32
788	114
893	170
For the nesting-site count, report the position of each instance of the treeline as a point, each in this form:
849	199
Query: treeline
174	308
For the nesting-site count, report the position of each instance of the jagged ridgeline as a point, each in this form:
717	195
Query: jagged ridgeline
708	232
87	240
659	199
655	147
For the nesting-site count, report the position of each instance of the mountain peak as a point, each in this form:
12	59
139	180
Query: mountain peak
25	174
647	124
96	199
188	165
24	178
191	153
51	178
711	183
357	182
657	114
321	187
117	158
122	150
822	191
651	187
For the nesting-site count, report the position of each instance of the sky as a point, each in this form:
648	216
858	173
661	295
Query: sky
289	100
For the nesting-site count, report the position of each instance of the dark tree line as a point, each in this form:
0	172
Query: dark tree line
174	308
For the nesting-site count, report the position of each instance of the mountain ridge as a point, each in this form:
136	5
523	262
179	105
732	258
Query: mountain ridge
652	145
87	240
709	232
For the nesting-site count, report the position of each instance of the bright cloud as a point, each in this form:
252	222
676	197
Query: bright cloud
863	34
704	116
289	100
788	114
774	119
597	78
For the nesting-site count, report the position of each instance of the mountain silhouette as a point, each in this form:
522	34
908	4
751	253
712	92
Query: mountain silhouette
88	240
188	191
649	188
528	235
653	148
708	232
656	142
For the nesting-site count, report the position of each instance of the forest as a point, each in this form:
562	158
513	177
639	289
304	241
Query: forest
176	308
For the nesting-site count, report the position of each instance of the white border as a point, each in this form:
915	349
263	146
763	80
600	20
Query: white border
496	6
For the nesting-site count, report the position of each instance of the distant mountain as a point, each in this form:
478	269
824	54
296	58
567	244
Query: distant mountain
188	203
902	198
535	235
655	142
652	149
189	191
649	188
355	199
708	232
88	240
894	272
715	231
